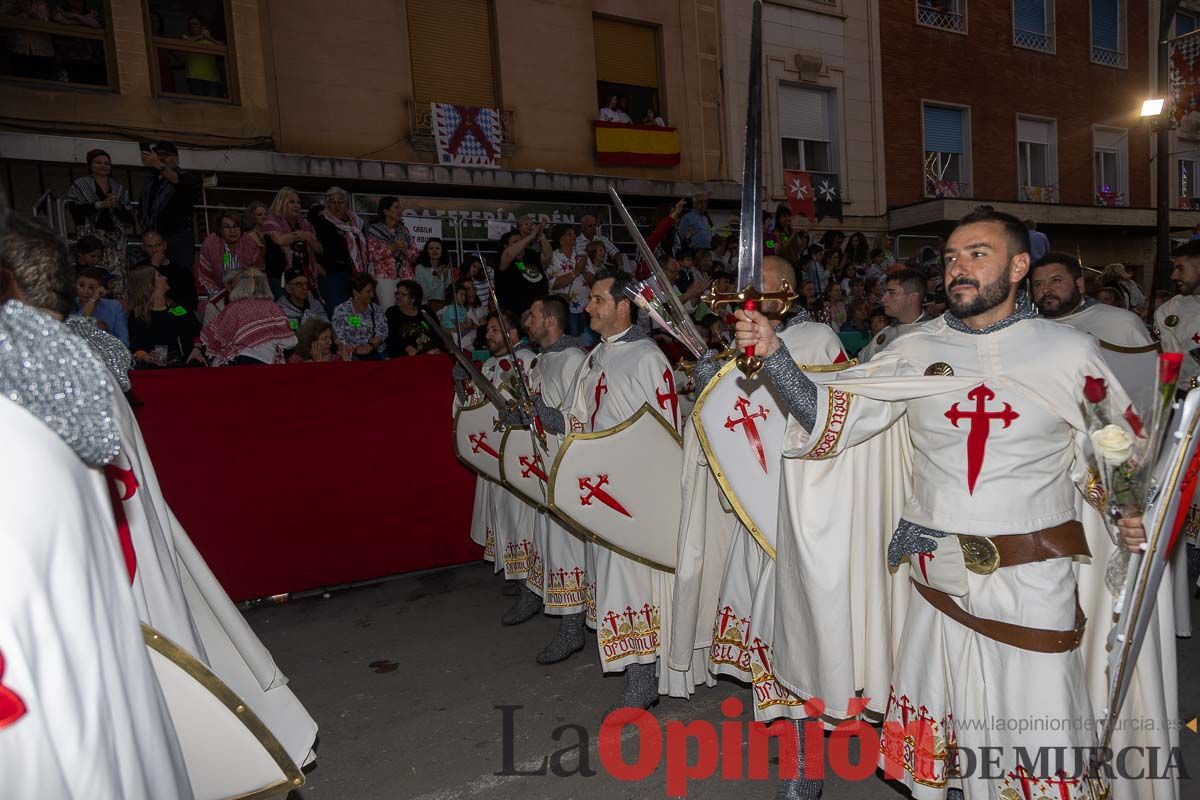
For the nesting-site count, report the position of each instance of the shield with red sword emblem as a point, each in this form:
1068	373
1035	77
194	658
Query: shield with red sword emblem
741	427
620	487
476	440
525	466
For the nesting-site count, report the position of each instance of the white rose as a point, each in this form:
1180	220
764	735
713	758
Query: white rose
1113	444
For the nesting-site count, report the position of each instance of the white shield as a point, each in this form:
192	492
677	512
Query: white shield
741	426
524	466
227	749
1137	370
620	487
476	440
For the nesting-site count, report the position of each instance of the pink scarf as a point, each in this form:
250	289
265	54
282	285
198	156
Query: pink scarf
356	241
245	254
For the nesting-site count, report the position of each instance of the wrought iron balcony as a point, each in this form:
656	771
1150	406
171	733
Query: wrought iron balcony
1108	58
947	17
1033	40
420	125
1039	194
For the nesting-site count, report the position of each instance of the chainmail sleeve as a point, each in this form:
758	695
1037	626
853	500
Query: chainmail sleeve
552	419
798	392
706	369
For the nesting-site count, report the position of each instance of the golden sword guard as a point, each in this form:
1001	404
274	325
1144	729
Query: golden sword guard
750	299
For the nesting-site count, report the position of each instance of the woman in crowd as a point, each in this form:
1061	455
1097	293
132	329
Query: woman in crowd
251	329
835	307
434	273
793	250
359	323
408	330
344	246
570	275
481	274
291	241
810	299
885	243
161	333
1111	296
390	248
253	219
1118	277
524	255
314	343
101	207
858	252
461	318
227	248
781	231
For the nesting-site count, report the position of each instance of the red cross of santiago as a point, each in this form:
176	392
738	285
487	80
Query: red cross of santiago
981	426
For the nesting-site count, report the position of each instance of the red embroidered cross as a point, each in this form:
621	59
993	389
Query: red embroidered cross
981	425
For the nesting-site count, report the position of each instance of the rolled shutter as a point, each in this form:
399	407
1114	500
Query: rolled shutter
1105	24
1030	15
943	129
1033	130
625	52
450	43
804	113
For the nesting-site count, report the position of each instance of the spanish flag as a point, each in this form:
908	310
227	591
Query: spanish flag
636	145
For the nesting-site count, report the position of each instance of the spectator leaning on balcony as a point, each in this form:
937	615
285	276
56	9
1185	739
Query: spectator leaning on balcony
653	119
696	227
168	201
101	208
229	247
610	112
290	239
251	329
344	247
359	323
297	301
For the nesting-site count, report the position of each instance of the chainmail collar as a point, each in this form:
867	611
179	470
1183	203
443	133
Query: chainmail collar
1024	310
111	351
800	314
54	376
634	334
564	343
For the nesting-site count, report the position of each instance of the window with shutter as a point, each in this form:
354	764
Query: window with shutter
946	149
450	46
949	15
806	129
1189	181
1184	23
627	65
1033	24
1037	166
1108	32
1110	157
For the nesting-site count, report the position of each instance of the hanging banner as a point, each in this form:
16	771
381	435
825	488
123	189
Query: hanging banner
423	229
1183	82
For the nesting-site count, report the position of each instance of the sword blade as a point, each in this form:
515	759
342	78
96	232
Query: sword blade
750	229
481	383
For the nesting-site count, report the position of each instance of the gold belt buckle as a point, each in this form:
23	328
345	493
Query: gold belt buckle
979	554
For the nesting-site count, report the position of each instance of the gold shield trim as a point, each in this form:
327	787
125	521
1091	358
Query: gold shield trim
714	464
504	478
1153	347
181	658
454	439
571	524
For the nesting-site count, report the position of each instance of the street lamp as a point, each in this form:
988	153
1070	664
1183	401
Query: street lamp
1153	107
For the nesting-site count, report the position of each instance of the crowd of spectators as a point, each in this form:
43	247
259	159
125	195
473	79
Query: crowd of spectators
280	283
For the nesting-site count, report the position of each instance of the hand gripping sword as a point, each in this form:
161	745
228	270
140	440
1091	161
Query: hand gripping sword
750	234
482	383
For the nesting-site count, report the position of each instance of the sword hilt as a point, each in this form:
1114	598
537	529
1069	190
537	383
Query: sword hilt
750	299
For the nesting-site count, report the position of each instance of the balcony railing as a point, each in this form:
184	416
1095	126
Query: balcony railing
945	187
420	125
946	19
1033	40
1108	58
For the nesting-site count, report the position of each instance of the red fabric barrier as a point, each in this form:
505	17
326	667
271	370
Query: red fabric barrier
306	475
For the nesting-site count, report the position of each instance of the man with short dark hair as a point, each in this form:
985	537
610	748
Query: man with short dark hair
91	301
180	285
1178	319
1056	281
625	371
168	202
903	301
89	251
993	437
558	560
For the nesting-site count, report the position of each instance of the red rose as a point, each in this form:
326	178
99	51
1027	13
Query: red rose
1094	389
1168	367
1135	422
504	365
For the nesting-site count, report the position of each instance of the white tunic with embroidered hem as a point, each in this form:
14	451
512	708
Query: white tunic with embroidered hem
993	448
615	380
558	562
511	520
1178	324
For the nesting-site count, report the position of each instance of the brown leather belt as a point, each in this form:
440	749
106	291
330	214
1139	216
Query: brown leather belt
1039	640
985	554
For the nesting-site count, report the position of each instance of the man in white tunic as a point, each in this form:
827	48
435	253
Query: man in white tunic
903	301
625	371
557	579
990	531
1178	319
81	712
1057	283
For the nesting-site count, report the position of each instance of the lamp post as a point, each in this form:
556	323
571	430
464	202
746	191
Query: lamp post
1160	125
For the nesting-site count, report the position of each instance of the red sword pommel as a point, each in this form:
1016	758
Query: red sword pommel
479	442
981	425
750	427
596	491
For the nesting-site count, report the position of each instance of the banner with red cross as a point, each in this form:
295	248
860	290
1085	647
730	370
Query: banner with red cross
465	135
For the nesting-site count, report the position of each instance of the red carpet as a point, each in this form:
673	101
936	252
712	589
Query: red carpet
300	476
